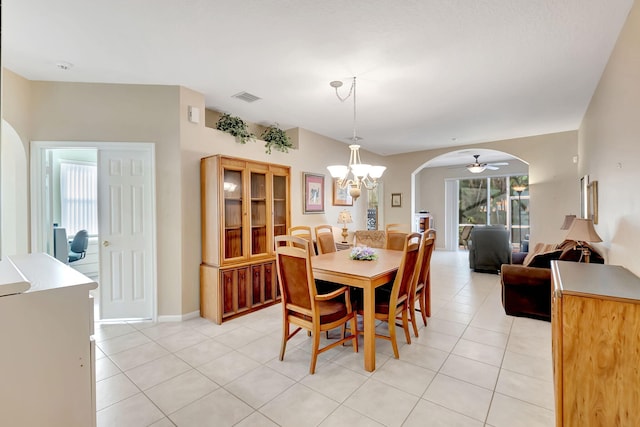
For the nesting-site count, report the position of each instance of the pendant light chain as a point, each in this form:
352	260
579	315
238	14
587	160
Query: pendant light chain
353	88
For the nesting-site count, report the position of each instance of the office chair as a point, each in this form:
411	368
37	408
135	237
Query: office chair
78	248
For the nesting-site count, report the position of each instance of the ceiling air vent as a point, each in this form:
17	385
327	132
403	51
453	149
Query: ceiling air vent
246	96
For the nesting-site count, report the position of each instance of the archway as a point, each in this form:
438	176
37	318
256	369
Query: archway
14	193
434	185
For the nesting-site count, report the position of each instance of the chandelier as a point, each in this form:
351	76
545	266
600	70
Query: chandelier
363	174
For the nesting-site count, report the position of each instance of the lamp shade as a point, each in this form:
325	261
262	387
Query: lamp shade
582	231
344	217
338	171
568	220
519	188
376	171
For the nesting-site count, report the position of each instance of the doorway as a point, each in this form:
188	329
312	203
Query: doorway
435	188
121	253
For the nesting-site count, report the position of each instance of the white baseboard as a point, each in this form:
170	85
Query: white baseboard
179	317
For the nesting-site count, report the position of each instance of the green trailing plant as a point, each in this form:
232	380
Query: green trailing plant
277	139
236	127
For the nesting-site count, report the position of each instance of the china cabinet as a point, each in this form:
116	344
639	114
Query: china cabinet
245	204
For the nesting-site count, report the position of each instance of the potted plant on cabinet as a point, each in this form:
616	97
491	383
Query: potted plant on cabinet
277	139
236	127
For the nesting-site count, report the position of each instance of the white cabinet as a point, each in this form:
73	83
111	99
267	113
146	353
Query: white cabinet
47	359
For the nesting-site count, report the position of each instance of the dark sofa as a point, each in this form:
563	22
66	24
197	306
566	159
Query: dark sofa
526	287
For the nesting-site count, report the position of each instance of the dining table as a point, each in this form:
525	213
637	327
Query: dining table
338	267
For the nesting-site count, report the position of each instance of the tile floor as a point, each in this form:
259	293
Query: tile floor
472	366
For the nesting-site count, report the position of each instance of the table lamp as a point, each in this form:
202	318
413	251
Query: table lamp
582	231
344	217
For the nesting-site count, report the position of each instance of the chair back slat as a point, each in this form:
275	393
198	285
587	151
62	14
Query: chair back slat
396	240
428	244
371	238
403	280
293	267
304	232
404	228
324	239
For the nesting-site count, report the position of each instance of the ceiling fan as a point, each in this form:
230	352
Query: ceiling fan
477	167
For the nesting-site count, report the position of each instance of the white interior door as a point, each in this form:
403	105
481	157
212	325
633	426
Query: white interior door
126	222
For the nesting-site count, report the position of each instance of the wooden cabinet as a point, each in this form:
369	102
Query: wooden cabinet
244	205
596	344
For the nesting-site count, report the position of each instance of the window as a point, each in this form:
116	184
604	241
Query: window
485	201
519	208
79	197
473	201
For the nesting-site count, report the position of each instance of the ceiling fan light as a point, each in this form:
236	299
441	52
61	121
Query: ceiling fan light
476	168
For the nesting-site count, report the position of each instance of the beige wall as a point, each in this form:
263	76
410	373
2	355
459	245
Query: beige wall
16	104
553	184
14	154
609	147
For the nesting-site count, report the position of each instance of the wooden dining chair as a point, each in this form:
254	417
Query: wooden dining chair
395	240
303	307
421	286
370	238
304	232
324	239
465	233
397	227
393	305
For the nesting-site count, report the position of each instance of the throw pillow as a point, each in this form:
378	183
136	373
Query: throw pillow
540	248
543	260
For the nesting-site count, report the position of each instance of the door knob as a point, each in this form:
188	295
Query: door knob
105	243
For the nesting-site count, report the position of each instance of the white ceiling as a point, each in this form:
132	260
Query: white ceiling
428	71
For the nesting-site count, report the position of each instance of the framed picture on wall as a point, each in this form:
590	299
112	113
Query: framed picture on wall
341	196
396	200
313	185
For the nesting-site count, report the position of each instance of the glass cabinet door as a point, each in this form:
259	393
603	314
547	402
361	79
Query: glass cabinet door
279	205
232	214
258	213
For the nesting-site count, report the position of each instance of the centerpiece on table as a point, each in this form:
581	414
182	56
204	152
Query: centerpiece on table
363	253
